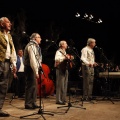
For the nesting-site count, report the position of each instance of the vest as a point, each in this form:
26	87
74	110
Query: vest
3	45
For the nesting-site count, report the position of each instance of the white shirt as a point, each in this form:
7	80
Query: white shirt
87	55
10	56
35	59
8	48
21	69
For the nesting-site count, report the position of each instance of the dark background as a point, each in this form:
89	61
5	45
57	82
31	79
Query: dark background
55	20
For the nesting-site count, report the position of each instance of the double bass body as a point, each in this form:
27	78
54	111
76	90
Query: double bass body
45	84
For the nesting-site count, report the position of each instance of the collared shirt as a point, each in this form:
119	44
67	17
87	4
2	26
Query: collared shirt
87	55
21	69
59	56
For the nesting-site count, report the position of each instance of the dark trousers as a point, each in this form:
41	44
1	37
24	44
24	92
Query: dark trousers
30	87
18	84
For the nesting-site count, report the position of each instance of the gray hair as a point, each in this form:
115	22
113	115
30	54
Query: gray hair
90	40
61	43
2	20
32	37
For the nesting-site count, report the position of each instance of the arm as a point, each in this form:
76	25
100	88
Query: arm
35	61
84	56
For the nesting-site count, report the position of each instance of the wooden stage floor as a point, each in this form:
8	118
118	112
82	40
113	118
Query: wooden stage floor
99	110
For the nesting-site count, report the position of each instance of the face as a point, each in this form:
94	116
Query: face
6	24
64	45
92	44
20	53
38	39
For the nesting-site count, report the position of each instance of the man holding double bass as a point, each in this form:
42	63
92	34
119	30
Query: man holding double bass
62	60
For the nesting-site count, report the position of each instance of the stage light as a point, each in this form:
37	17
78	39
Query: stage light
77	15
99	21
90	17
86	15
23	32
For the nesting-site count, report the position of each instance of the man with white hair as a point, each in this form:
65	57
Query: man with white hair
32	65
88	64
7	57
61	58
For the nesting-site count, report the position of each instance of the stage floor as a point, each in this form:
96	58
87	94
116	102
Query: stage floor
99	110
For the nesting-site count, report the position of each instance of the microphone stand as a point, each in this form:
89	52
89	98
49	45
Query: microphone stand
107	84
69	101
77	54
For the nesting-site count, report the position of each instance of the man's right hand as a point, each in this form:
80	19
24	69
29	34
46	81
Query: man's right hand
37	76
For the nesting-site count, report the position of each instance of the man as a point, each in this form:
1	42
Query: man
88	64
32	65
61	65
7	57
19	81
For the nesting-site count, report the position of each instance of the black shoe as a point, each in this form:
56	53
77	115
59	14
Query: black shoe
60	103
2	114
84	99
29	107
36	106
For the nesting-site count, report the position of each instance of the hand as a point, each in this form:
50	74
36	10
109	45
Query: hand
14	69
37	76
15	76
72	57
68	56
95	64
90	65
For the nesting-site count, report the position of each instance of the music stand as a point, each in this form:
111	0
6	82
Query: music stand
107	84
40	111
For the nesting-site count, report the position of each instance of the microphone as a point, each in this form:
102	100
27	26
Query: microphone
98	47
68	47
49	41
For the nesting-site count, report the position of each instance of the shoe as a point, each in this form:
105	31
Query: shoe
29	107
2	114
15	97
85	99
35	106
21	96
60	103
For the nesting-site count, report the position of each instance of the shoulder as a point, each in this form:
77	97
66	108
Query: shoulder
84	48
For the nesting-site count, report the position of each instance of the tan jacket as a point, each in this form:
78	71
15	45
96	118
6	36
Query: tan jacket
3	46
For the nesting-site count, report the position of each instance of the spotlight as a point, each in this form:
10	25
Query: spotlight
77	15
90	17
86	15
99	21
23	32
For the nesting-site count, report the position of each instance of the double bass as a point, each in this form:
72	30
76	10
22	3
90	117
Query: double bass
45	84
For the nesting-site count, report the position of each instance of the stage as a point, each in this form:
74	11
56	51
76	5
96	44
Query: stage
99	109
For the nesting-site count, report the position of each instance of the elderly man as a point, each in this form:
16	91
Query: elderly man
7	57
88	64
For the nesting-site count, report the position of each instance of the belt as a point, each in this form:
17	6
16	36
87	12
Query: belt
7	60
